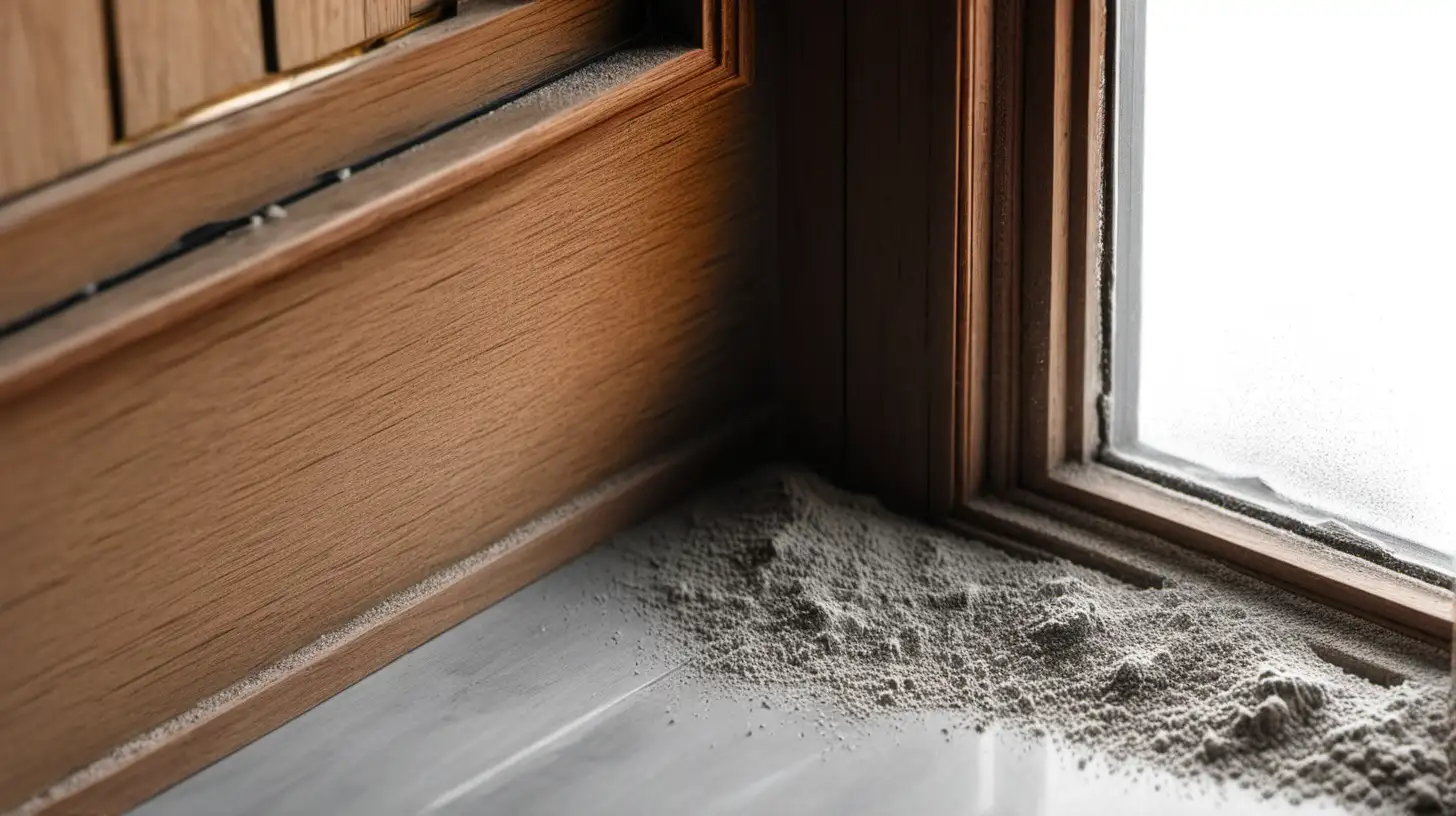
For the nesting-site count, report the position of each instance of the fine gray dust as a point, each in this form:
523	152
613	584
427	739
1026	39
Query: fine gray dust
781	582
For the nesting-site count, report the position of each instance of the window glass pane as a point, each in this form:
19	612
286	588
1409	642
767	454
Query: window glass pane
1297	280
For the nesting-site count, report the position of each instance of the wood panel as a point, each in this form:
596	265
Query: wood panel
1004	276
385	16
136	205
306	31
1045	190
904	147
1086	248
974	319
211	498
328	666
173	55
53	90
1280	557
810	80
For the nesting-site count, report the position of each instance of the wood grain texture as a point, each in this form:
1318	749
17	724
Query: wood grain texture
951	45
306	31
136	205
1322	572
210	733
1087	186
902	260
1004	357
1047	180
811	64
53	91
1044	218
385	16
974	319
214	496
173	55
319	224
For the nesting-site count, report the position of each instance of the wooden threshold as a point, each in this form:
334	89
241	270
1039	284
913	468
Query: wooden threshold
234	717
1342	580
83	229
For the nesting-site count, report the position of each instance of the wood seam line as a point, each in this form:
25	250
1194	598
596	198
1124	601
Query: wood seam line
28	368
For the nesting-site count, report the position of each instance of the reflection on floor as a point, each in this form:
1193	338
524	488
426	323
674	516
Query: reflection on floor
556	701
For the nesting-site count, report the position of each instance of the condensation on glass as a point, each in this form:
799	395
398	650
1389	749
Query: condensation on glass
1283	287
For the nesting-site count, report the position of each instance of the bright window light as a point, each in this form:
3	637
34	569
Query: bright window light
1297	284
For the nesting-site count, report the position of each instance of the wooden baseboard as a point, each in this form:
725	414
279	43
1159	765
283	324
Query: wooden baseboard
227	721
203	469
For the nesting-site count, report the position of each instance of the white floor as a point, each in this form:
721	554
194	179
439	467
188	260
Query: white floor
560	700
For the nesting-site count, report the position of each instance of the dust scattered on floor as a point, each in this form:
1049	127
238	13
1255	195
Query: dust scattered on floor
782	582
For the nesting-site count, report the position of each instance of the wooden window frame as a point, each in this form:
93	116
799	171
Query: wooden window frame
947	357
1027	372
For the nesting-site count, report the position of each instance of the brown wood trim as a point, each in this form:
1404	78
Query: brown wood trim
974	318
226	722
1039	432
376	403
905	80
57	108
323	222
1044	201
1086	120
1004	276
809	83
1048	527
133	207
1342	580
952	42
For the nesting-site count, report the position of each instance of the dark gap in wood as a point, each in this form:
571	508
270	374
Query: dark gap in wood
1357	666
270	35
202	235
113	71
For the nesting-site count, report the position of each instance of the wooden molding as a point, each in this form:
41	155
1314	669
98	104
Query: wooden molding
133	207
206	468
346	212
1342	580
225	722
1030	433
906	150
810	75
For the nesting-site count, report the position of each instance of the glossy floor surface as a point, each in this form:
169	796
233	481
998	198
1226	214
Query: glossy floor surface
561	699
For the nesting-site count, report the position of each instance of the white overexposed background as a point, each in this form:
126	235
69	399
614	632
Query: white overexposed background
1299	251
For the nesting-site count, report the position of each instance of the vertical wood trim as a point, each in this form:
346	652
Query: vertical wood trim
976	318
306	31
174	55
888	147
905	194
1005	275
1044	252
1084	259
54	89
811	150
385	16
951	34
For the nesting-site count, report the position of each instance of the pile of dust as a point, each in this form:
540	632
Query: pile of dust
782	582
